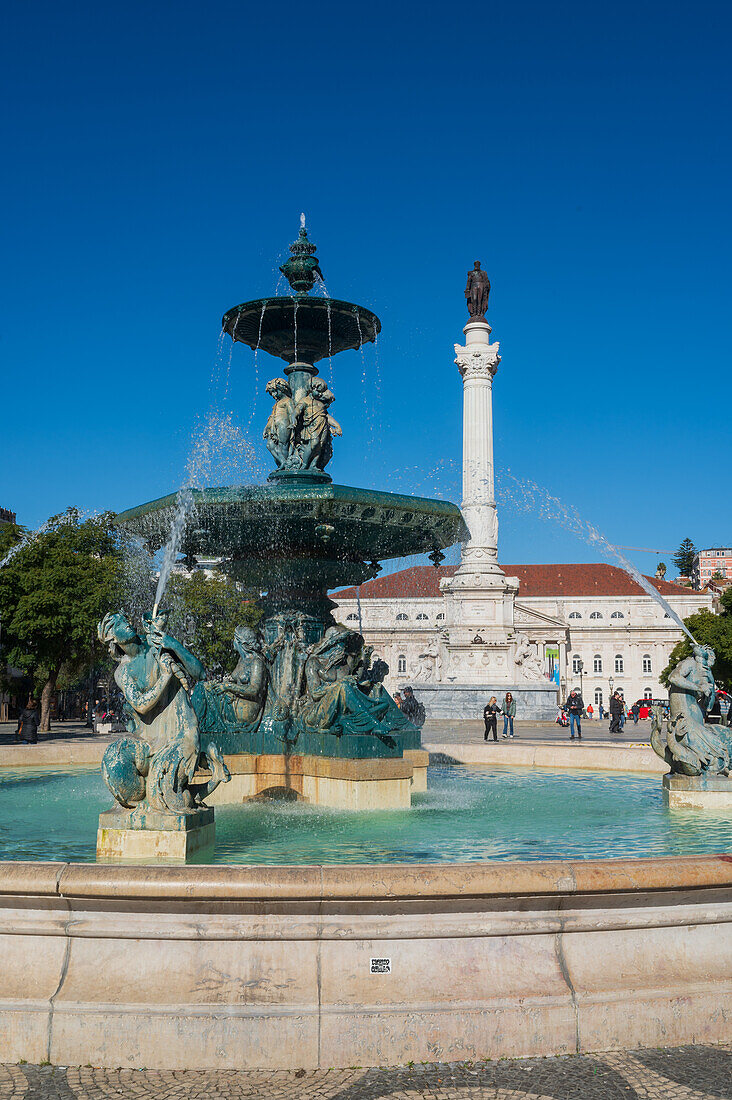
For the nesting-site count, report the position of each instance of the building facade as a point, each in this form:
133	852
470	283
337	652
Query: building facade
584	626
711	563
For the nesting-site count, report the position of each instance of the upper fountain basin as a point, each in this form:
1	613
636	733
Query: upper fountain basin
263	524
297	328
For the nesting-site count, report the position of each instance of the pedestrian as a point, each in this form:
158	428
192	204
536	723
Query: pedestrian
601	711
413	709
509	713
635	711
398	699
490	717
575	706
590	712
28	724
616	712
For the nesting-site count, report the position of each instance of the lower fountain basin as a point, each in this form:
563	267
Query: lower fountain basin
467	814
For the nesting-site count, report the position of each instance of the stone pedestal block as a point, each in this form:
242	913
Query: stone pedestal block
698	792
148	836
385	784
534	701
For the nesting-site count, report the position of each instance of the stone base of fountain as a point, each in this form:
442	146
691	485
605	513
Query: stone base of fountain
129	835
534	700
698	792
336	782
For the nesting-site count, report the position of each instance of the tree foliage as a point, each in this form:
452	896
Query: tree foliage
53	591
713	630
205	612
683	559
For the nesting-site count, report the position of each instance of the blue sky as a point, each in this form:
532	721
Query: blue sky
156	160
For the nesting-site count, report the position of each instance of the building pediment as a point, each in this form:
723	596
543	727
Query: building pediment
528	616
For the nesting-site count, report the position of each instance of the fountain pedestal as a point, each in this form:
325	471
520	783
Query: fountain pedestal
339	783
149	836
698	792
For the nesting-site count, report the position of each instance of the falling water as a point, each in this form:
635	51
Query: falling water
294	318
364	390
330	342
256	366
183	507
527	495
358	608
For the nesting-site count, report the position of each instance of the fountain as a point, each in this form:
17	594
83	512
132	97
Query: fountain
305	714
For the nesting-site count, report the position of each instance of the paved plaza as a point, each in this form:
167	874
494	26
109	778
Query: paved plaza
442	732
684	1073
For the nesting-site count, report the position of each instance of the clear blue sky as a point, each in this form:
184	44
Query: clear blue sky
156	160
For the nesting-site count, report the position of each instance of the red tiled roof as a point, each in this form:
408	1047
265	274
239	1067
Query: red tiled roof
535	580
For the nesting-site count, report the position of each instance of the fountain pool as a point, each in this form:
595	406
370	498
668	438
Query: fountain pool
468	814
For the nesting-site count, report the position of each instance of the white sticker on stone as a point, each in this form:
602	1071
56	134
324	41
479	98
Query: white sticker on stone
380	966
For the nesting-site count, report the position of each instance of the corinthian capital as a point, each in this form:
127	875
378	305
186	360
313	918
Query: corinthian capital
477	362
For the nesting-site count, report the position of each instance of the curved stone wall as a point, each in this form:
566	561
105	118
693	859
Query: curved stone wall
243	967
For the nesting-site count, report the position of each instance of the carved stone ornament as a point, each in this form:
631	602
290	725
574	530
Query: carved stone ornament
477	362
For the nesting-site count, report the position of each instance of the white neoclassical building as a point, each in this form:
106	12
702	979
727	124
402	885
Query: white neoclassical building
460	634
562	615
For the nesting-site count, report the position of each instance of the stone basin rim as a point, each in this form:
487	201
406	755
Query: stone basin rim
271	491
364	882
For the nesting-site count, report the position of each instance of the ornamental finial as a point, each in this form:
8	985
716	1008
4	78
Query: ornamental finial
302	269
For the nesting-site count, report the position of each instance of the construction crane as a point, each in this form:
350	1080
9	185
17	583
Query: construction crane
647	550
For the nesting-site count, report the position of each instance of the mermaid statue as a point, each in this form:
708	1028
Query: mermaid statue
154	767
236	704
343	694
692	747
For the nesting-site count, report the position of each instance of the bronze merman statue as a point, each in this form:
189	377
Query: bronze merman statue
476	292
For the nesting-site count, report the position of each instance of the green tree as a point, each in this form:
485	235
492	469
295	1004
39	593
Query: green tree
205	613
683	559
713	630
53	591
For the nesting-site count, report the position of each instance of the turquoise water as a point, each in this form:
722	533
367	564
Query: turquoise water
467	814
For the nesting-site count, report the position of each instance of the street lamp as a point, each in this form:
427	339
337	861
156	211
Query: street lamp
611	682
580	666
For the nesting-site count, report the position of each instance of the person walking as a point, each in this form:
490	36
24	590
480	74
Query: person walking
509	713
616	712
601	711
635	711
28	724
590	712
490	717
575	706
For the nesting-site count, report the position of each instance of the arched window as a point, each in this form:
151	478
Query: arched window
441	615
647	693
647	663
597	663
422	615
351	618
401	663
618	662
596	615
574	615
401	617
598	697
576	662
617	615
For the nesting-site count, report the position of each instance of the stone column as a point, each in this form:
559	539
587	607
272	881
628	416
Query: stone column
478	362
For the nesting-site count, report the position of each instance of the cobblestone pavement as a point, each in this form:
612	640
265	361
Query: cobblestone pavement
682	1073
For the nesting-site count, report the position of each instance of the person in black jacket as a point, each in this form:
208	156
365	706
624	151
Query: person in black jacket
490	716
575	707
617	709
28	724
